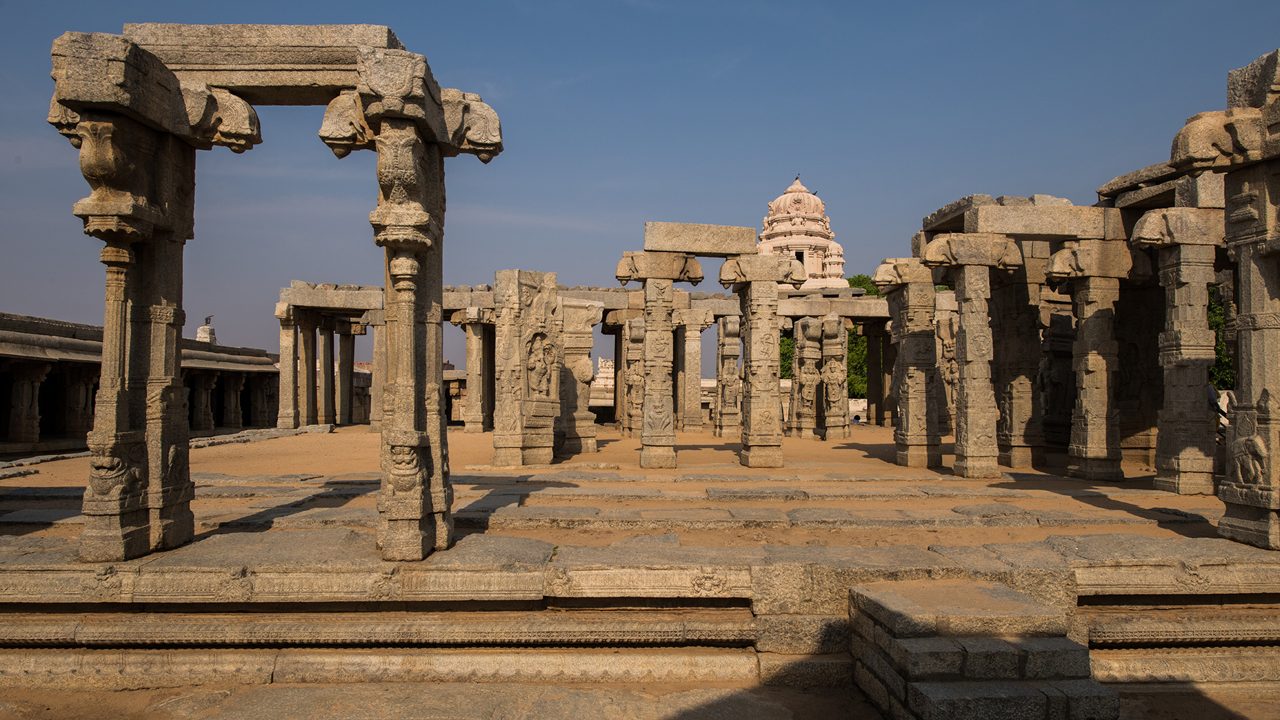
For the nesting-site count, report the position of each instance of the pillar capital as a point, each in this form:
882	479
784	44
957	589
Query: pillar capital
650	265
1167	227
762	268
959	249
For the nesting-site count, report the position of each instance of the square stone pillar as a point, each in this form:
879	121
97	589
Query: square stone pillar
232	414
877	391
1092	269
78	403
833	410
528	323
202	382
287	417
308	413
689	381
755	279
908	288
576	426
377	381
346	370
475	321
324	381
969	259
728	409
24	402
805	377
658	271
1188	240
633	380
1015	312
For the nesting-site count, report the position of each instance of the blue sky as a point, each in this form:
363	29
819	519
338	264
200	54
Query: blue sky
615	113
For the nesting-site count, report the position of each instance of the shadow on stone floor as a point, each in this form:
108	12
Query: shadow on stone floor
333	494
1097	494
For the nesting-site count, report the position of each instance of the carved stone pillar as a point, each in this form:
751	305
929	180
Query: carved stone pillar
1244	141
805	377
755	279
1093	268
633	385
307	412
908	288
24	403
344	397
475	321
970	258
325	380
288	393
1187	240
528	324
877	391
689	380
379	377
658	271
728	409
576	426
202	383
833	409
78	403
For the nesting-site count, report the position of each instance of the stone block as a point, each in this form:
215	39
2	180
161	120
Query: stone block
1081	700
931	658
976	701
922	608
866	654
987	658
1053	658
695	239
806	671
799	634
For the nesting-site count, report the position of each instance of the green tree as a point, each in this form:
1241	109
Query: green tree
1223	372
786	352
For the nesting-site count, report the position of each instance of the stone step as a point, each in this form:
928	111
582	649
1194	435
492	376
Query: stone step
659	627
135	668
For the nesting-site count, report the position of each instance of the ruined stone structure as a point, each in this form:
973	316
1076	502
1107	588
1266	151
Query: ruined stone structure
162	92
797	227
319	387
528	355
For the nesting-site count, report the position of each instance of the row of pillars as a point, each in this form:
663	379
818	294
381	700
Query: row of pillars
312	392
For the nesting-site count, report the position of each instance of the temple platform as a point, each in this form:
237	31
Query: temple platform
710	576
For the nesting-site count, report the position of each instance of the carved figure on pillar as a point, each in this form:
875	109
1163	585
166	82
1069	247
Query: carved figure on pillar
633	407
805	377
728	410
528	326
833	411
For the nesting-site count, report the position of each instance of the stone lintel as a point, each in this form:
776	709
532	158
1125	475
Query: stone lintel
329	296
467	316
717	305
1045	219
647	265
97	71
695	239
266	64
618	318
860	308
1156	174
893	272
1180	226
762	268
701	318
950	217
956	249
609	298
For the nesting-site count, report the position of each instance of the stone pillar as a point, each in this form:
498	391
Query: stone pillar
755	279
78	405
1187	240
946	326
1016	322
805	377
24	404
202	383
232	383
969	258
528	323
658	271
833	415
576	426
877	391
693	322
288	393
346	370
908	288
325	377
379	376
475	321
1092	268
633	385
728	409
308	413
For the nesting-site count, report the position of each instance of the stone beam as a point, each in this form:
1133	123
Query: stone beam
706	240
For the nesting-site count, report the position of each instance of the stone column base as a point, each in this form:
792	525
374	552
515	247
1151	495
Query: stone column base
508	457
836	433
1023	456
729	431
980	467
768	456
922	456
1185	483
1255	526
657	456
1094	468
473	426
